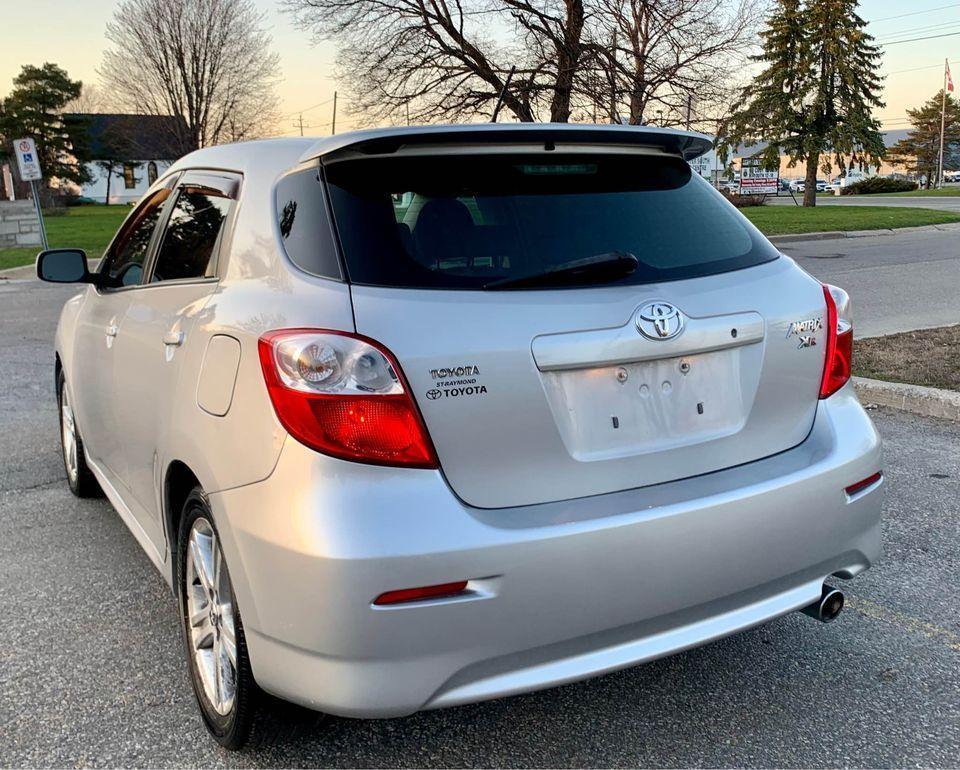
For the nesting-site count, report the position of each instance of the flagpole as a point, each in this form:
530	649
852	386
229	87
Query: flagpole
943	122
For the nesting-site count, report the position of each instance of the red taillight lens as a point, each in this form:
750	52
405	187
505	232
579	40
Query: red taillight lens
419	594
839	344
345	396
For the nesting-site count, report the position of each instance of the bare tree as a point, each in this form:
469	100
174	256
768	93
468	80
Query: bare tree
665	60
436	60
91	101
205	62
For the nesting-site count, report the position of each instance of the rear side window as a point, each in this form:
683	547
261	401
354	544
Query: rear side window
305	225
469	221
193	233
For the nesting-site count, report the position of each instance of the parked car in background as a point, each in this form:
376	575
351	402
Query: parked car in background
417	417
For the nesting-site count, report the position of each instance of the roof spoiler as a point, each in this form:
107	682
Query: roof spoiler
384	141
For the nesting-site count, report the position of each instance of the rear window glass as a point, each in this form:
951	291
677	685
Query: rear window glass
469	221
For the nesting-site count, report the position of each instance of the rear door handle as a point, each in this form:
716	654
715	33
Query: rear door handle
174	338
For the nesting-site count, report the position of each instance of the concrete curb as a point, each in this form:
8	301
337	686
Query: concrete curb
917	399
833	234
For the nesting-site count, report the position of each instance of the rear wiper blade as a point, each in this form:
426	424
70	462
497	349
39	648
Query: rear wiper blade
609	266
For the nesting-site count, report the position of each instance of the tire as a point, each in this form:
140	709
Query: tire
223	684
80	478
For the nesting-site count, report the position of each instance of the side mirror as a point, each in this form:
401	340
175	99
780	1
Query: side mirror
63	266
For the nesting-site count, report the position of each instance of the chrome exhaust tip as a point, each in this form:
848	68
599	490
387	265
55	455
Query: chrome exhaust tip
827	607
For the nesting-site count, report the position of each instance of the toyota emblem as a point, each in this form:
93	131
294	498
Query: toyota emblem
659	321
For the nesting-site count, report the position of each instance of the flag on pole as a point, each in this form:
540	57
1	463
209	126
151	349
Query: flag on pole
946	63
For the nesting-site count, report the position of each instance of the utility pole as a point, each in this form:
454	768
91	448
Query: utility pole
301	124
334	122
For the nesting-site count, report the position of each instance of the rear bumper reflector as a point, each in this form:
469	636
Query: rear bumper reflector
869	481
444	590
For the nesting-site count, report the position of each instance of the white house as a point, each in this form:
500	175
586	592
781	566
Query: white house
128	154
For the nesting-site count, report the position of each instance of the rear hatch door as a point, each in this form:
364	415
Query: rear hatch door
587	383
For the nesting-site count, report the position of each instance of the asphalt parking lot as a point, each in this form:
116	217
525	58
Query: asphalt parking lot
91	671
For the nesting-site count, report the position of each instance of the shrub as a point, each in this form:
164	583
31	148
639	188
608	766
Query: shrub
878	184
743	201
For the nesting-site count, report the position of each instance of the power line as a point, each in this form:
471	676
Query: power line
917	69
915	30
916	39
914	13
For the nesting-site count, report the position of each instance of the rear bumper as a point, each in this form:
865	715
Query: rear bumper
558	592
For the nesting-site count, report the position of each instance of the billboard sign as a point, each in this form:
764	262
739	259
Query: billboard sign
756	180
28	164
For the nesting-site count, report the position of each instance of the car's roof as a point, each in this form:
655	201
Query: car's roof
241	156
687	144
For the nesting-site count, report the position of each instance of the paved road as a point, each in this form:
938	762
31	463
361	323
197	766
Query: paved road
898	282
945	202
91	671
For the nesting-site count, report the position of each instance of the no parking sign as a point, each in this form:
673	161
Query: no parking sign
27	161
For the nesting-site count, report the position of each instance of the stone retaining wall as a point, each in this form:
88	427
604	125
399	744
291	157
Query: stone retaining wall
18	224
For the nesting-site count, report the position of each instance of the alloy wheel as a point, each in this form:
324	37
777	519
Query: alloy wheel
68	431
210	616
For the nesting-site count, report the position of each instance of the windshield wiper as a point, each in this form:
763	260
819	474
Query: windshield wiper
600	268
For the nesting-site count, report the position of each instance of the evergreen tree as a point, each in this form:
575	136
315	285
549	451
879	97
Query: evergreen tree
920	150
34	108
815	96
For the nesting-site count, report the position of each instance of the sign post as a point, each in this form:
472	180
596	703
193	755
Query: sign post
756	180
28	164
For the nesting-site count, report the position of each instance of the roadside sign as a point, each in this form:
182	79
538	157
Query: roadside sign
756	180
28	163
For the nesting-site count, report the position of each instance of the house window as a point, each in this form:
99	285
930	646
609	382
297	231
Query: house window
129	176
151	172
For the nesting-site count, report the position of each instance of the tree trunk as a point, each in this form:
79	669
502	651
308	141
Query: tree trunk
568	59
810	183
106	199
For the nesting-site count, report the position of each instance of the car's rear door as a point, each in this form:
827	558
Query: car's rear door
543	379
158	329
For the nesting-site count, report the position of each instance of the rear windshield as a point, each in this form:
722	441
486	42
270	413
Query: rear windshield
466	222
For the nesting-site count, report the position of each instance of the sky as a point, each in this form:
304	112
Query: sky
71	34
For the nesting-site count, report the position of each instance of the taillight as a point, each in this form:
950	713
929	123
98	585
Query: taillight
345	396
839	341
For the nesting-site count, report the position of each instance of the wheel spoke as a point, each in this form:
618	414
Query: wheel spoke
215	550
201	564
218	673
229	641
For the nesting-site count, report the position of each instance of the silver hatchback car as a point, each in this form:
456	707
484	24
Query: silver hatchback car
412	418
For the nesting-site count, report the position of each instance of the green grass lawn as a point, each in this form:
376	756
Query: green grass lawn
781	220
86	227
948	191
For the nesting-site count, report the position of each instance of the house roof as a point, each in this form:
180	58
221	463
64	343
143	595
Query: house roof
112	136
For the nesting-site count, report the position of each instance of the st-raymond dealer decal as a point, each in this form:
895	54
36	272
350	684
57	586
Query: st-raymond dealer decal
456	381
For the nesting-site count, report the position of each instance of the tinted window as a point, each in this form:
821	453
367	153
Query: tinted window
123	266
193	232
464	222
304	224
